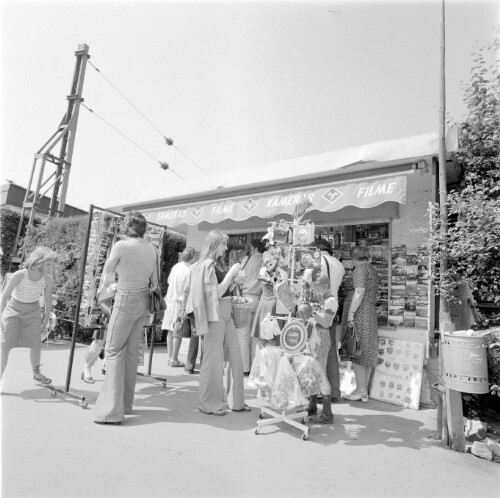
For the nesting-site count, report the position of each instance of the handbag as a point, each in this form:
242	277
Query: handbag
184	324
351	344
156	301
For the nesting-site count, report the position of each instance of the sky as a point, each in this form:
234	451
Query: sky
234	84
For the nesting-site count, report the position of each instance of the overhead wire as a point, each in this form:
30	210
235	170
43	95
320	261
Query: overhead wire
168	141
164	165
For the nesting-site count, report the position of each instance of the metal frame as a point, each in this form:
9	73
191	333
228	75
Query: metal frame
58	179
76	325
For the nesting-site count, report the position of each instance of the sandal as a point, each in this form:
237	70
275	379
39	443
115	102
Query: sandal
321	419
219	413
245	408
45	381
88	380
176	363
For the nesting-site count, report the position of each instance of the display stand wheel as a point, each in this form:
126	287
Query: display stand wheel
257	432
261	415
83	404
53	393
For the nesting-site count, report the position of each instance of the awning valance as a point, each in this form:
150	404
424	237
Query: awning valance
366	193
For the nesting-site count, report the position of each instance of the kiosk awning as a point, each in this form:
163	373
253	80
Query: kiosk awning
330	197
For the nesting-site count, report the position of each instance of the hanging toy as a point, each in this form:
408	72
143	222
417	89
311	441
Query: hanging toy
304	311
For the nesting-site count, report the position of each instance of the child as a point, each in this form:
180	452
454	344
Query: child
323	319
21	321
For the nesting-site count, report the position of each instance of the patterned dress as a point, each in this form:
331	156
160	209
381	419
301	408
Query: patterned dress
365	318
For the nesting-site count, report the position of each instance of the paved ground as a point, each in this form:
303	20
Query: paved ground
51	447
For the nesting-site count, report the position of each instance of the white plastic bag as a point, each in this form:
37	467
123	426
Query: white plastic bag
267	327
310	376
348	381
286	393
314	341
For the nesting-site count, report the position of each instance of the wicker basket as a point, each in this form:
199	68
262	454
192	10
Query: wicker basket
240	308
240	317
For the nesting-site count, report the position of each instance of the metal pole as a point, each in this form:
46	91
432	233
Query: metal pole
71	119
79	299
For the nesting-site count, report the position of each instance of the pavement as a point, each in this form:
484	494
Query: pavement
52	448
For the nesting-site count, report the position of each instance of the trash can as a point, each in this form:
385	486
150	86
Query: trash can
465	363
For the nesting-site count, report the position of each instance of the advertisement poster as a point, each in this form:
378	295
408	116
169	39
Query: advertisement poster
398	375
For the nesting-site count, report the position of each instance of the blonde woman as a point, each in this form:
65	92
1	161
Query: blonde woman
21	322
210	300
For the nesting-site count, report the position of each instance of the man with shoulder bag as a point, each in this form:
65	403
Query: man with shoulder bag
334	270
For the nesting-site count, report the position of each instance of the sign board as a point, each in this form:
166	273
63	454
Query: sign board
397	378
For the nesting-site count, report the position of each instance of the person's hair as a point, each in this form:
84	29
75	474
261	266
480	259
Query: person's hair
134	224
39	256
210	246
361	254
324	245
188	254
259	244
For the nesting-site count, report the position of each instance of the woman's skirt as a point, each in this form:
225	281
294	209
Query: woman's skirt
173	311
267	305
21	325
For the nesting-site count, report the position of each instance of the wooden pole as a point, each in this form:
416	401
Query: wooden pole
452	415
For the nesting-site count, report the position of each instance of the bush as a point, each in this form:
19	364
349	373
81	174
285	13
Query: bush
65	236
9	222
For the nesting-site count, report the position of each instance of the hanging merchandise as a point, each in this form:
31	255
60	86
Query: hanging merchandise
294	336
309	375
286	393
269	328
303	234
314	341
281	233
286	298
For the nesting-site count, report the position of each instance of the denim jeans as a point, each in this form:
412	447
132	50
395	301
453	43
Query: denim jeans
130	311
194	344
332	365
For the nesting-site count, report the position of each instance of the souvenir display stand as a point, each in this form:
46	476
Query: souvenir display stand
297	261
102	232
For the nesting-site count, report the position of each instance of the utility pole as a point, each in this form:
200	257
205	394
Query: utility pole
443	208
59	178
450	415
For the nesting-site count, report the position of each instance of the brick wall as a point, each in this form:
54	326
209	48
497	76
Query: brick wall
413	214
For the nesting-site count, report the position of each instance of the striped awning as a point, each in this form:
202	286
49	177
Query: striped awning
330	197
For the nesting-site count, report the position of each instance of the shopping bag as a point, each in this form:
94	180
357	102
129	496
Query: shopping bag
309	375
286	393
351	344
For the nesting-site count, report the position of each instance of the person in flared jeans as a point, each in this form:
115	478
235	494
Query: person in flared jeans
221	342
130	312
332	365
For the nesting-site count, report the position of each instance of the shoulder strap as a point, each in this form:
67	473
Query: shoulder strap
248	259
327	269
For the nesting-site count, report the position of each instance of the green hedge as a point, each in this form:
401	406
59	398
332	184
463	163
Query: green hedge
66	236
9	222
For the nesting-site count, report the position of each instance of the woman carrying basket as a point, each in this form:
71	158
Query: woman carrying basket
210	301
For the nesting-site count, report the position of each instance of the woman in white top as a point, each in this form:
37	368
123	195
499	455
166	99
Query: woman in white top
21	322
178	280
